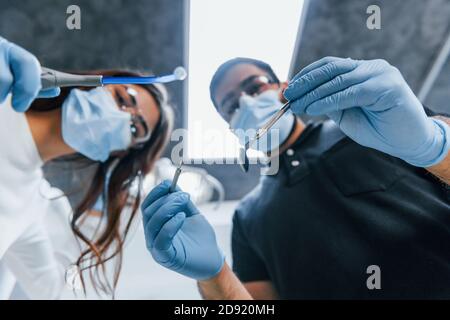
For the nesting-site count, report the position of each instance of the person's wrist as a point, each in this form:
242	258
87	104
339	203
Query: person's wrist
443	141
224	286
437	147
215	271
216	275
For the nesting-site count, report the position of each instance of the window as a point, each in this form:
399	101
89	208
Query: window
225	29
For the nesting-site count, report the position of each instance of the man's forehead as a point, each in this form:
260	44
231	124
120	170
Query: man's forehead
234	76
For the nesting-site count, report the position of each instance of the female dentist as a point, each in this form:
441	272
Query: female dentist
20	75
121	129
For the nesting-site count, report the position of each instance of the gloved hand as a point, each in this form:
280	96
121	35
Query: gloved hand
178	236
20	74
373	105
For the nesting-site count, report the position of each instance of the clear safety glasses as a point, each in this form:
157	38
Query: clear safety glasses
251	86
139	128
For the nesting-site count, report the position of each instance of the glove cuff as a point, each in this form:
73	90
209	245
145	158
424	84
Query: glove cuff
217	271
438	148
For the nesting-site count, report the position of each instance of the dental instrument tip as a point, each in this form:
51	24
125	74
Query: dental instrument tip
173	186
244	162
180	73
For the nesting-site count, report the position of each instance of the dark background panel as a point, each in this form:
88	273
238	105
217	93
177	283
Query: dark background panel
439	98
411	35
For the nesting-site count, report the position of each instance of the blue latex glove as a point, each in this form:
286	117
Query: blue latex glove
178	236
20	74
371	103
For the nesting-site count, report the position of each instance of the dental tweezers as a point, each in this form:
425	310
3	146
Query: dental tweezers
260	133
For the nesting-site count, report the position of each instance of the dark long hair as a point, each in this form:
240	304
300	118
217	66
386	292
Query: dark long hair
124	170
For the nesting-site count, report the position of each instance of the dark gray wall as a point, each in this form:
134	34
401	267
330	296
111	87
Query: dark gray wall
138	34
439	98
412	33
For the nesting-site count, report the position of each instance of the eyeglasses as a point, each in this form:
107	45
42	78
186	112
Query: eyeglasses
139	128
251	86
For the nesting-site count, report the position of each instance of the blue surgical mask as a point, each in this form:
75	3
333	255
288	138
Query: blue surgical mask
93	125
254	112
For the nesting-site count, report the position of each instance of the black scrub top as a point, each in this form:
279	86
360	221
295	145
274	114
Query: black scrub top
336	208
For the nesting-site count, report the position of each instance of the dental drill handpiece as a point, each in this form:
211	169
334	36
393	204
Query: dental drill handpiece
52	78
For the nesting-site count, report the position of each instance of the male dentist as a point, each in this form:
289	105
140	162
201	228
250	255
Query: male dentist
336	207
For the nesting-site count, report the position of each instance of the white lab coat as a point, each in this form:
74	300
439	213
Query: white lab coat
25	248
64	243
